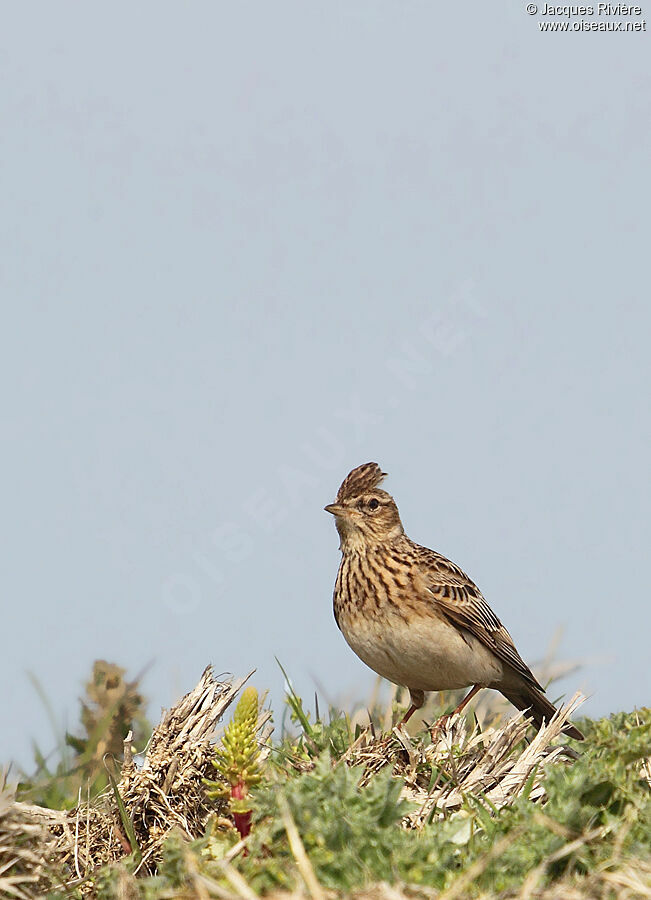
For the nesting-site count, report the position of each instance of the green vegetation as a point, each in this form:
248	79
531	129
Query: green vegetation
110	709
333	809
236	762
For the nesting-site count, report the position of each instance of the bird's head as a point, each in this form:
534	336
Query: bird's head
364	513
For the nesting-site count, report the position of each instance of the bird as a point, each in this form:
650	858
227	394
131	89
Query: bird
415	617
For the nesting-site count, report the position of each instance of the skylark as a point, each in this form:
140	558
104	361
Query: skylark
415	617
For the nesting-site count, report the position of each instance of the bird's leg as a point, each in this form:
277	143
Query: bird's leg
417	699
407	716
466	699
440	723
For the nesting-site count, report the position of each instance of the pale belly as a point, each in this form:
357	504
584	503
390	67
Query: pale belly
429	654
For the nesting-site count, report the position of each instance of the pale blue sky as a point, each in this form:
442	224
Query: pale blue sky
249	246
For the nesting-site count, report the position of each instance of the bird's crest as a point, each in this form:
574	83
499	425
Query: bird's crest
363	478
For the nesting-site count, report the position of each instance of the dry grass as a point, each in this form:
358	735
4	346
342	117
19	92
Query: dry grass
165	793
488	762
27	846
629	881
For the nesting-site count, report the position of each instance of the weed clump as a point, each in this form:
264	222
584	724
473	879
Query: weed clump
343	809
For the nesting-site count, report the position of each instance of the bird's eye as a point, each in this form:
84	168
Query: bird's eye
373	503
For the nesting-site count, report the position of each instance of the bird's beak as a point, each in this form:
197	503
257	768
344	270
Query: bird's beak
334	509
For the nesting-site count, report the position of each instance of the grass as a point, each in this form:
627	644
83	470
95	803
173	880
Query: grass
345	805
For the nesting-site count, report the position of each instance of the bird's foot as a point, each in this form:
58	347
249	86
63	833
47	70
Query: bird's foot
441	725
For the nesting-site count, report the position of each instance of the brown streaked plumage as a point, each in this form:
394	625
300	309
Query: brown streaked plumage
413	616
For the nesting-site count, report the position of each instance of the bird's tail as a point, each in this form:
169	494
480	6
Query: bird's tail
538	707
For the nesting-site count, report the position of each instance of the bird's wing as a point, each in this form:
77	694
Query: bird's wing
461	601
